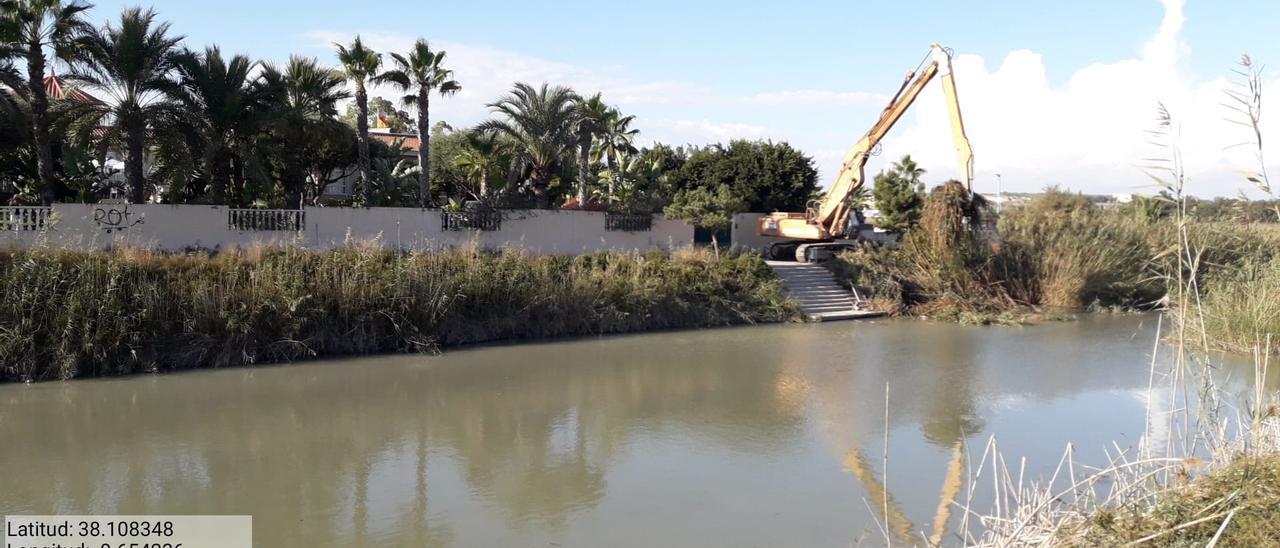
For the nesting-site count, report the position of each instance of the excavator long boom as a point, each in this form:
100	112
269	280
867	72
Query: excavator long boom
852	174
829	218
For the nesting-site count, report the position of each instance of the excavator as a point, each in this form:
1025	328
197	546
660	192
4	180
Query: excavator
829	225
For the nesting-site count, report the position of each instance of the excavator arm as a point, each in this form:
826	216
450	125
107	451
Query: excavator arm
827	220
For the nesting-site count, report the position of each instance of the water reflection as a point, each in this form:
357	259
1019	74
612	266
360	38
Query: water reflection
765	436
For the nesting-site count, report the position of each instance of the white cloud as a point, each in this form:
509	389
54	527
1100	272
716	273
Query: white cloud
487	73
700	132
1090	133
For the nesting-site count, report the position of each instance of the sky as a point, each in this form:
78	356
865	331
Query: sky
1053	93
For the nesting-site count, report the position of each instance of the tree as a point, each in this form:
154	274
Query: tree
360	65
225	109
540	124
418	74
591	116
616	141
710	209
664	168
898	196
17	166
395	182
129	64
766	176
302	99
380	110
481	159
330	149
29	27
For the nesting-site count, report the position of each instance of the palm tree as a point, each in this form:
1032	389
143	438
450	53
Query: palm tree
30	27
15	129
360	65
617	141
130	65
12	98
909	170
540	124
481	158
303	98
418	74
224	108
592	115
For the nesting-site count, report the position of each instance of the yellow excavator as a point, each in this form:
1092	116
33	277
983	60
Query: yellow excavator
829	225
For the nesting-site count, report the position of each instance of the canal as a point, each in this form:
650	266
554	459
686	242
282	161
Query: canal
755	436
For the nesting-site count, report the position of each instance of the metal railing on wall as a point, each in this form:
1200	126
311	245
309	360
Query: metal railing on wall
267	220
480	219
24	218
626	222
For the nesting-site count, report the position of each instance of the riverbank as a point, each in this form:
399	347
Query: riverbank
84	314
1061	254
1236	505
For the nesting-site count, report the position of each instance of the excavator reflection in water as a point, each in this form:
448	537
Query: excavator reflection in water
830	225
943	402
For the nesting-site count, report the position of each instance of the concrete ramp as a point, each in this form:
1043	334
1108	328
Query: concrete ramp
820	297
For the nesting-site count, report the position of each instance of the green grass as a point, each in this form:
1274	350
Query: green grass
73	314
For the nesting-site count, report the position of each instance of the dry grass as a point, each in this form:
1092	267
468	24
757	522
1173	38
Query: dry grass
73	314
1051	257
1062	254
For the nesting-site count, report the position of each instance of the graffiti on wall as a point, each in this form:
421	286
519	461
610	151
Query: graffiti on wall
112	219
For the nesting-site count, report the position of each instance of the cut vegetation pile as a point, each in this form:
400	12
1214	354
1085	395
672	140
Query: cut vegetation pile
76	314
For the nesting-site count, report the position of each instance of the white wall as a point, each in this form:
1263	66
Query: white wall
176	227
744	232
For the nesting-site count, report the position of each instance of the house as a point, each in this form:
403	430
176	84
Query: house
344	184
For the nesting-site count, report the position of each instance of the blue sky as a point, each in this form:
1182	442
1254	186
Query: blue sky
816	73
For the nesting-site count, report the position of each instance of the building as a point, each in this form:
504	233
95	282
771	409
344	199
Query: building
345	180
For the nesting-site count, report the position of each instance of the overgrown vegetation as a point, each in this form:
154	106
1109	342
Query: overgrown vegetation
79	314
1061	253
1055	255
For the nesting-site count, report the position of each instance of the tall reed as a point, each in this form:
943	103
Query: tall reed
74	314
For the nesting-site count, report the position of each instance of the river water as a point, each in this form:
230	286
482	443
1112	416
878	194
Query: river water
755	436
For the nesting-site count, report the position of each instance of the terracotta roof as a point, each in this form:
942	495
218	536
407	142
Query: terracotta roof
408	141
54	88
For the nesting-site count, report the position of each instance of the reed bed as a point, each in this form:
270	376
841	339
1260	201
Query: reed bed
74	314
1059	255
1046	259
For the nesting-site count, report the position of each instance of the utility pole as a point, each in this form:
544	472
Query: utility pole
999	195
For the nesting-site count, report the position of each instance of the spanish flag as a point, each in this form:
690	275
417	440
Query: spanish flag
381	122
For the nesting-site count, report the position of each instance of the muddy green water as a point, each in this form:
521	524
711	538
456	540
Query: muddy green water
759	436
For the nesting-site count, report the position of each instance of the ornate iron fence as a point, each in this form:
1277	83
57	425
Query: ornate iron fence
625	222
24	218
479	219
267	220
